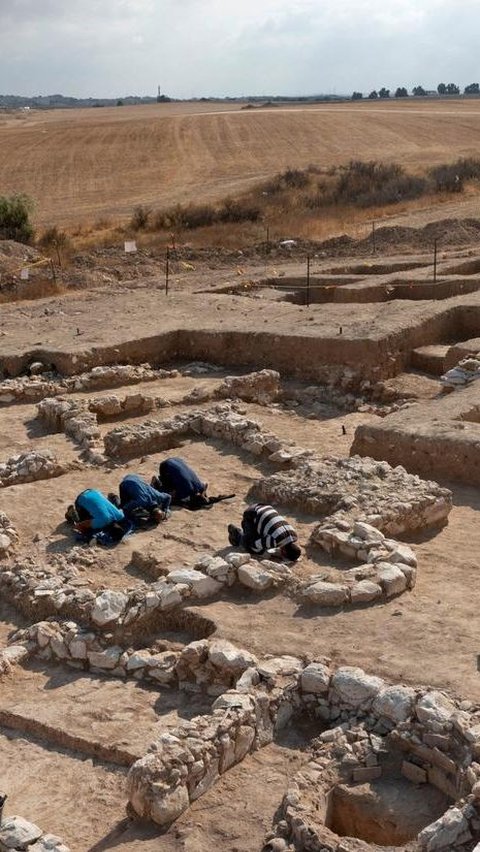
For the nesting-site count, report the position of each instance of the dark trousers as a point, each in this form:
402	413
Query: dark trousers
249	528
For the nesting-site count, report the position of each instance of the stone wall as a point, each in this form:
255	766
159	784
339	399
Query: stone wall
30	467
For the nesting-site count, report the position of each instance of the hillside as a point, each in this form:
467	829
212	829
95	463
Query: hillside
85	164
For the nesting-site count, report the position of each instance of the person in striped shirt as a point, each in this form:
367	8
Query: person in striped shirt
264	529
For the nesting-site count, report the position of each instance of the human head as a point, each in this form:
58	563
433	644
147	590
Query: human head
157	515
291	551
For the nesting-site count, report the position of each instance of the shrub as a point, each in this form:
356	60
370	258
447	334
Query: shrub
238	211
452	176
15	224
370	184
140	217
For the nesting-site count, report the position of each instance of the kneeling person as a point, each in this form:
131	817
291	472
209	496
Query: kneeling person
264	529
97	514
179	480
141	502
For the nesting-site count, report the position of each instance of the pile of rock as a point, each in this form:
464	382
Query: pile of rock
466	371
387	568
358	488
31	466
261	387
17	835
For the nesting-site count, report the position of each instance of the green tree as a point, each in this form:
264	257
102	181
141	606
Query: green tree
452	89
384	93
401	92
373	95
15	212
442	89
419	91
472	89
357	96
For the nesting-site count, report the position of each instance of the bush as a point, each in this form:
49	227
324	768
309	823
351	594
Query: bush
370	184
140	217
53	238
238	211
15	221
451	177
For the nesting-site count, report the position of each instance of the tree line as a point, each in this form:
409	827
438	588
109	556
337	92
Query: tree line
418	92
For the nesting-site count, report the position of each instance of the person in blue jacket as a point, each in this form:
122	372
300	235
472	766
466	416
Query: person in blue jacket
140	500
97	514
181	482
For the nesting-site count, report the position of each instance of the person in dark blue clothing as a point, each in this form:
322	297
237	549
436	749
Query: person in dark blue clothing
140	500
181	482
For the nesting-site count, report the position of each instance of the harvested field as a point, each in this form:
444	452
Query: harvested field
113	159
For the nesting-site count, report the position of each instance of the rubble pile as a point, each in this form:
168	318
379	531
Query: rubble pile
31	466
358	488
261	387
387	567
17	834
466	372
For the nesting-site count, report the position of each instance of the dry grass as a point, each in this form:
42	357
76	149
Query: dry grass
91	164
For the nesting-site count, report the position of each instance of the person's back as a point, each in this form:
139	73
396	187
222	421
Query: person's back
136	494
180	480
264	529
99	509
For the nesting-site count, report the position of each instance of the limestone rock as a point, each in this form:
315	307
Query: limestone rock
315	678
17	833
166	808
326	594
254	577
355	688
225	656
447	832
365	591
434	707
391	579
395	703
109	606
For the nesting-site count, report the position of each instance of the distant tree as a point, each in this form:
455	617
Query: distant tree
119	102
452	89
419	91
472	89
442	89
373	95
15	221
401	92
357	96
384	93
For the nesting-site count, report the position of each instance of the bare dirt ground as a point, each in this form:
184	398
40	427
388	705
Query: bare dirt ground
94	163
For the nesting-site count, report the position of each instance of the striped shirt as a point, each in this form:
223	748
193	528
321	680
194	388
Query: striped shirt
272	530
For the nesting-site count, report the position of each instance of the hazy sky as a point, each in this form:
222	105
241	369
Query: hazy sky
233	47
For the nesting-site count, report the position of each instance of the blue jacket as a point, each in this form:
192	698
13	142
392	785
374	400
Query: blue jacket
176	476
135	493
102	512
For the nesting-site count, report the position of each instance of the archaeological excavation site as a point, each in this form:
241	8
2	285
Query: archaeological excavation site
174	691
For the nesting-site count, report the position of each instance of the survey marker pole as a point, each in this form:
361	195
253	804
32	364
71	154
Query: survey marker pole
308	281
167	269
